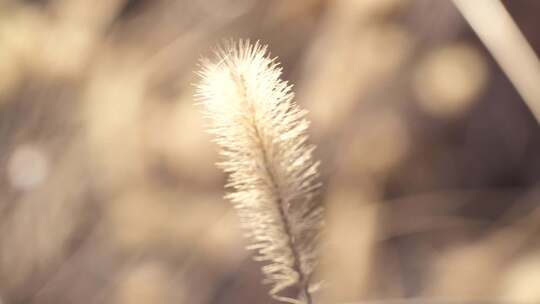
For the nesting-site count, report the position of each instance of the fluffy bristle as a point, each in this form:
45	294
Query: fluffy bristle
272	177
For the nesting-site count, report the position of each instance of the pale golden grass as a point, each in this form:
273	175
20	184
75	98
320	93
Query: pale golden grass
130	207
262	137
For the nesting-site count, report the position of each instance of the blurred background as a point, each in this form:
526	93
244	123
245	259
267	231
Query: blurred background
108	189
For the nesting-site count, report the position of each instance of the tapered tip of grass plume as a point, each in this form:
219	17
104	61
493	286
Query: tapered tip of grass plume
272	177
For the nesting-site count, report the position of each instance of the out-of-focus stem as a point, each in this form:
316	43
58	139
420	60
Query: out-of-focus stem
498	31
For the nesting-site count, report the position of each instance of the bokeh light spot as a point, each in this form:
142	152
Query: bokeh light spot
27	167
449	79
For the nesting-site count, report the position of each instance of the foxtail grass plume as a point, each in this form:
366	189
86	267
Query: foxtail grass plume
272	177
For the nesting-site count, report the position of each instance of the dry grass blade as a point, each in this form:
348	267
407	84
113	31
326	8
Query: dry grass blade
498	31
